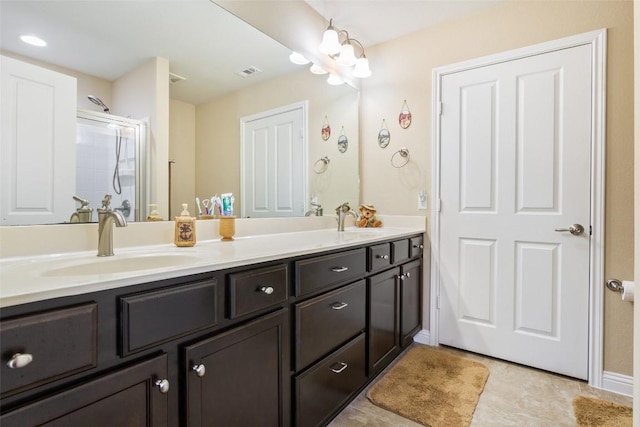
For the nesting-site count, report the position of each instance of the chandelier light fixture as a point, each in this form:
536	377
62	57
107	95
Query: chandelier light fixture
341	48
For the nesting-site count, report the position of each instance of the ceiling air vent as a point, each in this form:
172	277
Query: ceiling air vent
174	78
249	71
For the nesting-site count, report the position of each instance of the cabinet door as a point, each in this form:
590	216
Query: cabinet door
383	319
410	301
240	377
128	397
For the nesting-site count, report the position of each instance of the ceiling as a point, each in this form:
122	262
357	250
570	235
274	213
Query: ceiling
204	43
375	21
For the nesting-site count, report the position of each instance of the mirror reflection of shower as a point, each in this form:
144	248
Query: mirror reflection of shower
117	186
108	151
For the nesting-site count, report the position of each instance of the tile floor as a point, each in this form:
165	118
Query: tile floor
514	395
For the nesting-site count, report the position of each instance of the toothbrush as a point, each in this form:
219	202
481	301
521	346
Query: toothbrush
198	205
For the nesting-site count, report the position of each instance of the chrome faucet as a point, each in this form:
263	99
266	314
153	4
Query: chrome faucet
342	211
106	218
317	210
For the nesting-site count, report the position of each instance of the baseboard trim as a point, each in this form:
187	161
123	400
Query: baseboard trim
423	337
617	383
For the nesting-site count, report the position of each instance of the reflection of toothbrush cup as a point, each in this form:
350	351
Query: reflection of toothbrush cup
227	204
210	206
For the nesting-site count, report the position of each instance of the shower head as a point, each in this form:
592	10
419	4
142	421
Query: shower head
99	102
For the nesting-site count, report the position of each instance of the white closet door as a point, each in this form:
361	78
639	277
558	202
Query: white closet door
273	164
515	168
37	144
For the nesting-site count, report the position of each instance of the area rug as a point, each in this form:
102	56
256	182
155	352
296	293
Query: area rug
592	412
431	387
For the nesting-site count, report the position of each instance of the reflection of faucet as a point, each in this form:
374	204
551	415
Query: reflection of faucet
83	213
106	219
317	210
342	211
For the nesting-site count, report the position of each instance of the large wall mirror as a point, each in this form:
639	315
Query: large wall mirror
193	73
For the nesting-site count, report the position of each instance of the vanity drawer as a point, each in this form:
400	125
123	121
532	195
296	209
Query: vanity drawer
257	289
330	383
60	342
416	247
325	322
399	251
151	318
324	271
379	256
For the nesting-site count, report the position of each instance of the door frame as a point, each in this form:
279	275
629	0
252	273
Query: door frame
302	105
598	41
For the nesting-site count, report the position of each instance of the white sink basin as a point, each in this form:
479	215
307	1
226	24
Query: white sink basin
115	264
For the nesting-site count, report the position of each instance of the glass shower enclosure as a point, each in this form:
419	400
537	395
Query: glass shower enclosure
111	156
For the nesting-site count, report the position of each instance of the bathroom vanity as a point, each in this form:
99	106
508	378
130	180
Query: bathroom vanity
271	330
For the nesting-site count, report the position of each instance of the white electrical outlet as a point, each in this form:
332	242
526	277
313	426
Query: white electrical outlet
422	199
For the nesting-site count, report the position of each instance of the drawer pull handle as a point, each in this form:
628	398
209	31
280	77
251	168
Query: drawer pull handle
266	289
339	305
382	256
339	269
341	367
19	360
200	370
163	386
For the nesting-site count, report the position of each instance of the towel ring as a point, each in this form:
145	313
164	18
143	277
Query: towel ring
321	165
398	162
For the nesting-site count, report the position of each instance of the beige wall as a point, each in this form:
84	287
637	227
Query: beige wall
402	70
182	149
218	136
636	323
143	94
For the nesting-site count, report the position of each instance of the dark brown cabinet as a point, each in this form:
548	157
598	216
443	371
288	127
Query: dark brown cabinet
384	319
281	343
240	377
410	300
132	396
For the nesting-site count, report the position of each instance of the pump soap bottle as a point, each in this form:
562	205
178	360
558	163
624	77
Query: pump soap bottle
185	233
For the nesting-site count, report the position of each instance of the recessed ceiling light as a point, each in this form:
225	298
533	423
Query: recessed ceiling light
33	40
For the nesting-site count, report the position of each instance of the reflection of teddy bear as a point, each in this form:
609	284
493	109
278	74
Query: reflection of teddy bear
368	217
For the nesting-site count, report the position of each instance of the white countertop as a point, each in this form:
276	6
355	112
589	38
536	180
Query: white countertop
36	278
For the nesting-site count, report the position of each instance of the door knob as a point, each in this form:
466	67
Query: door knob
575	229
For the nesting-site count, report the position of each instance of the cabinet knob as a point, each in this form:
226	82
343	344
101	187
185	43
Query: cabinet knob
401	276
19	360
418	246
200	370
339	269
266	289
407	274
163	386
382	256
339	305
338	367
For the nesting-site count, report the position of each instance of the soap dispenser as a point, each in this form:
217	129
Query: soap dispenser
154	215
185	233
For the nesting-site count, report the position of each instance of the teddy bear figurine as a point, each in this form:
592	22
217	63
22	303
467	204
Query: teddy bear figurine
368	217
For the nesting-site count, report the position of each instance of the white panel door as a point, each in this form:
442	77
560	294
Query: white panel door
273	164
515	166
37	144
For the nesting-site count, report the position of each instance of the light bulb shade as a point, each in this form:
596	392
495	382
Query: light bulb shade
347	56
362	70
316	69
330	44
334	80
298	58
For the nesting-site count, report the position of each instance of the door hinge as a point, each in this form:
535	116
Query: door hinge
439	108
438	302
438	205
591	230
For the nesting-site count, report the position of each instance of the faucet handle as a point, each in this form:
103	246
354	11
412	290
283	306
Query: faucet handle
106	202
